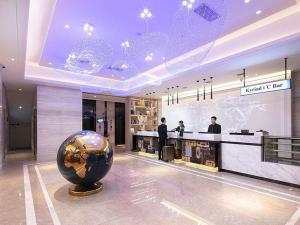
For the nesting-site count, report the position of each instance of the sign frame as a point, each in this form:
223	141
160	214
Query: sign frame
287	84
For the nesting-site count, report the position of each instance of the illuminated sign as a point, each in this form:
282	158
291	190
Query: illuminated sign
266	87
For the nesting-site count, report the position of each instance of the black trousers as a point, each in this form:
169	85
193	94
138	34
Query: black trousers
162	143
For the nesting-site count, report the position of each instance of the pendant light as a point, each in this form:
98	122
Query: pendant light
168	96
198	91
177	100
172	95
204	88
211	95
285	68
244	76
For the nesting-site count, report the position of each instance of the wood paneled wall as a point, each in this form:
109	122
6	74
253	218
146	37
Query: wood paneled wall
59	114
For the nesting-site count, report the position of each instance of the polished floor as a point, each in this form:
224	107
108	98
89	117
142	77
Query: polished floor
139	190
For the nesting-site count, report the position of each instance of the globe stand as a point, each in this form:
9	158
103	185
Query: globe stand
86	190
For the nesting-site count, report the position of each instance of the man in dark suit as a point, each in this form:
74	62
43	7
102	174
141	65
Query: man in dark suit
163	135
214	128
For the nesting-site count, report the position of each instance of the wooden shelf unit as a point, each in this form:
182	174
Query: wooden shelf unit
143	114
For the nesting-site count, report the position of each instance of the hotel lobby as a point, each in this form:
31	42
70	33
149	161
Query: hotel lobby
145	112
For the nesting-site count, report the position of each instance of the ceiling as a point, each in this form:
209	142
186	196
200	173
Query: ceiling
265	61
13	43
116	21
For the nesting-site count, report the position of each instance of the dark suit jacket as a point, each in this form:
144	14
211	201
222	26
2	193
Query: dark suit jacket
214	129
162	132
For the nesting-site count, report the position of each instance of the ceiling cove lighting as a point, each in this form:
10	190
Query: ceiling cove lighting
146	14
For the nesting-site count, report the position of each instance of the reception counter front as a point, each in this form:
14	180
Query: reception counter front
241	154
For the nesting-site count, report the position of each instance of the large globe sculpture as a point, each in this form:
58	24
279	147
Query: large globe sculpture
84	158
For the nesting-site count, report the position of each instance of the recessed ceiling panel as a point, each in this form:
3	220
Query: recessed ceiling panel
124	38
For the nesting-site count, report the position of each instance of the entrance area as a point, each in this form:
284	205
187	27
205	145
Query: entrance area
20	125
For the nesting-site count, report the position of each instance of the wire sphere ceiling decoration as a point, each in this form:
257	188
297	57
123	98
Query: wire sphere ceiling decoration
123	68
147	46
89	56
193	33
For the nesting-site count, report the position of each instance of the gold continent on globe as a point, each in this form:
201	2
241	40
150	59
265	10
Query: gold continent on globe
84	158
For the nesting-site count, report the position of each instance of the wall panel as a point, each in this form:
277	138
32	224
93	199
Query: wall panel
59	114
268	111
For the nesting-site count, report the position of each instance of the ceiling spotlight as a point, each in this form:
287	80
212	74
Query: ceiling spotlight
20	89
72	56
124	66
50	63
125	44
258	12
247	1
146	14
13	59
95	96
20	107
67	26
188	3
88	28
149	57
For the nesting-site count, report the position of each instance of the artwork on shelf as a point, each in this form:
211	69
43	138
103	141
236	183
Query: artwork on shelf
144	114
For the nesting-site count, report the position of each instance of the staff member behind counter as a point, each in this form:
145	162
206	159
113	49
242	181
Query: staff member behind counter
214	128
180	126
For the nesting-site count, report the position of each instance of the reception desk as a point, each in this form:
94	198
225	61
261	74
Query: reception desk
241	154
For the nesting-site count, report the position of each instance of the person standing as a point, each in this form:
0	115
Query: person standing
180	126
214	128
163	135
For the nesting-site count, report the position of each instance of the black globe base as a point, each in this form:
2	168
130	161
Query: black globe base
86	190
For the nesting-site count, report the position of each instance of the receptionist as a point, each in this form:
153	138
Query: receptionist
214	128
180	126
